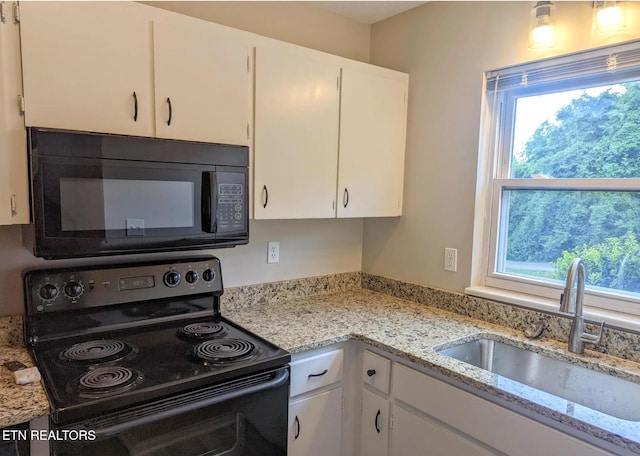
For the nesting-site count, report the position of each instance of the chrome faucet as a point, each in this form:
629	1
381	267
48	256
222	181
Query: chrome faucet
572	303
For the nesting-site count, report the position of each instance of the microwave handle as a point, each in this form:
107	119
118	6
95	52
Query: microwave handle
209	202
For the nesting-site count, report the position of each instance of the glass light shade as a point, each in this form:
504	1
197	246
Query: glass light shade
608	17
542	37
542	34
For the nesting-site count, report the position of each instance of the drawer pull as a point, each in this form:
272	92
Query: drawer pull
320	374
371	372
376	422
297	422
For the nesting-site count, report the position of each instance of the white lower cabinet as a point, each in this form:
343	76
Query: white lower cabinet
315	407
469	417
413	435
374	426
391	409
315	425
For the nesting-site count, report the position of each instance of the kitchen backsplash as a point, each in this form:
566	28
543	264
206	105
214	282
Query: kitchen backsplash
615	342
240	297
11	331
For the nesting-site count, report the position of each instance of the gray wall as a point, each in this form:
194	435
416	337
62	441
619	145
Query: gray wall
446	47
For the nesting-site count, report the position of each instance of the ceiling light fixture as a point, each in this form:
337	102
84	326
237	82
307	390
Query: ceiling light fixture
542	34
608	17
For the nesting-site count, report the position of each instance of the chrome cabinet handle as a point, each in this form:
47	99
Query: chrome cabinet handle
135	107
265	192
376	422
297	422
345	198
371	372
318	375
170	111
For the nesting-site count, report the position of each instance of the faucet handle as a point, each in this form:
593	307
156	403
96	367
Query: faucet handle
592	338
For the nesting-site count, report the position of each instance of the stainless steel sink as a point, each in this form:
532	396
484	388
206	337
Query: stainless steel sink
607	394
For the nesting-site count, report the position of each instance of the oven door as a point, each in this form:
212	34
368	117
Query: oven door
91	206
241	417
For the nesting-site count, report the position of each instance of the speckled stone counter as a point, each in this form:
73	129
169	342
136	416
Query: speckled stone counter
414	332
292	315
18	403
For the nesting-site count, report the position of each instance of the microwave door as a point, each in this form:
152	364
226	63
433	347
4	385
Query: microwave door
92	206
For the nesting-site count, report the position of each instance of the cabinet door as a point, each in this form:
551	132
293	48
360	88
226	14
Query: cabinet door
201	85
315	425
415	436
86	65
373	113
374	432
296	135
14	193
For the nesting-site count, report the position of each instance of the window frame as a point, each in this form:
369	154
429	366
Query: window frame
496	139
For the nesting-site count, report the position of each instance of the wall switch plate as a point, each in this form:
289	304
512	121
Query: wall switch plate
450	259
273	252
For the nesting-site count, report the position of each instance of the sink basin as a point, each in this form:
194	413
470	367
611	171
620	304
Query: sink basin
607	394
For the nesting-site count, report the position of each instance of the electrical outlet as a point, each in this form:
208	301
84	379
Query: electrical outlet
450	259
273	252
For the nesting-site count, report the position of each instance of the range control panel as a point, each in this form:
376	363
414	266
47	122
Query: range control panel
52	290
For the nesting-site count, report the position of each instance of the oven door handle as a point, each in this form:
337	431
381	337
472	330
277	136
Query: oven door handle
281	377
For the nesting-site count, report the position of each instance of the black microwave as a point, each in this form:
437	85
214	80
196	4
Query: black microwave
96	194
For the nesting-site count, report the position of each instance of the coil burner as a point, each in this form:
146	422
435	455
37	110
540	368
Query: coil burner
202	330
96	352
224	351
103	381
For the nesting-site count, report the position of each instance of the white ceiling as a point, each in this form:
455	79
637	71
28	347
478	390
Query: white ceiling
367	12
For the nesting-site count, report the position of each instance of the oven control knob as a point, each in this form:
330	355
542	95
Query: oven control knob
48	292
171	279
73	289
208	275
191	276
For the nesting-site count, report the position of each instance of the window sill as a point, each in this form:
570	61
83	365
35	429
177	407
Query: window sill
620	320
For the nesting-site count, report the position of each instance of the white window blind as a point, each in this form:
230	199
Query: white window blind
613	60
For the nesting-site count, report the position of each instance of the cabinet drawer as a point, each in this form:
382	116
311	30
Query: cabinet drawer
316	371
376	371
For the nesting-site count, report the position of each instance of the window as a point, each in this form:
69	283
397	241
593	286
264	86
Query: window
562	178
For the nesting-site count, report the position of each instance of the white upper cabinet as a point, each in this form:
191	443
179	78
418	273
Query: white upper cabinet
111	67
329	133
300	107
373	111
87	66
202	85
296	134
14	193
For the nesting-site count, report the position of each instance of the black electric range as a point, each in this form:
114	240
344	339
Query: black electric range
137	342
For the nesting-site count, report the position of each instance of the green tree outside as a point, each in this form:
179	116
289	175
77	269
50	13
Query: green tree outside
591	137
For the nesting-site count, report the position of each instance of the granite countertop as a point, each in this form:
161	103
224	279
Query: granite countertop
19	403
414	332
406	329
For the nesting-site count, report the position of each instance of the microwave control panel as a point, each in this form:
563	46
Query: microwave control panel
232	201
